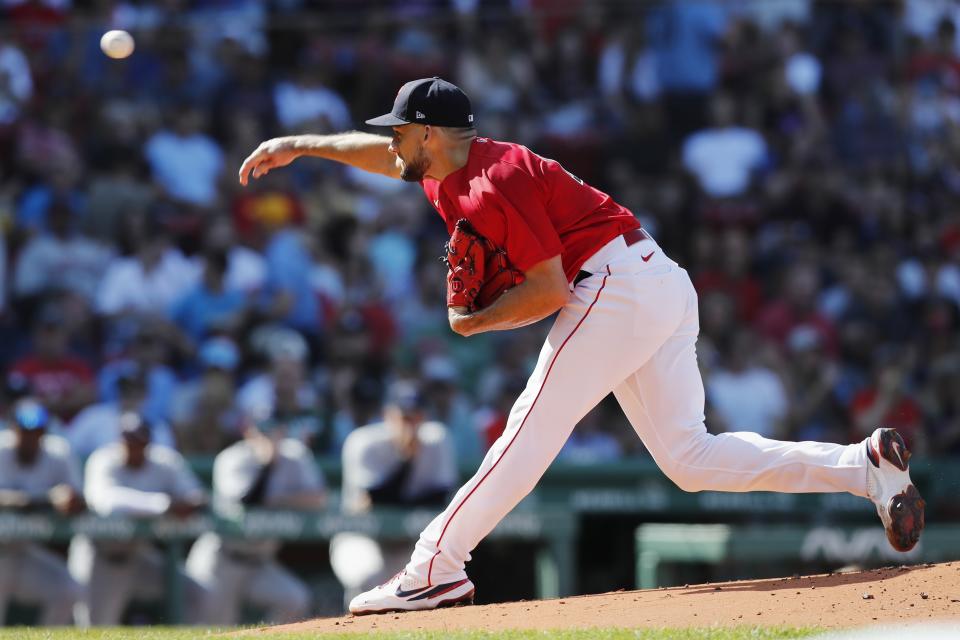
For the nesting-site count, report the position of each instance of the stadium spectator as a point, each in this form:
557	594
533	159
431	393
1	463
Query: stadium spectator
889	400
305	101
60	259
265	470
186	163
592	441
448	405
289	294
137	478
285	395
246	268
204	411
725	156
210	307
149	280
686	38
62	381
37	473
99	425
147	350
117	188
797	306
813	410
942	402
745	394
16	83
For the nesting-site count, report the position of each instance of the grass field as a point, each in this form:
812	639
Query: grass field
152	633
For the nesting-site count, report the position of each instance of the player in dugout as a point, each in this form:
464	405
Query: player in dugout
402	461
627	324
267	469
37	473
135	478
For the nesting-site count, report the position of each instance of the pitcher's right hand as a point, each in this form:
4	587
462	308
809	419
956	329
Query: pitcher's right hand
276	152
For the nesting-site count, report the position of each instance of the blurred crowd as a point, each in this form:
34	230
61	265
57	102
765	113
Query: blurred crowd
798	157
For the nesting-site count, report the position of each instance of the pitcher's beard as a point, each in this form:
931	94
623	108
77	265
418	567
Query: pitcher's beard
416	169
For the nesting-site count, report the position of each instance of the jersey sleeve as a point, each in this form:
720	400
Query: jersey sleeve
358	472
233	473
72	473
105	497
308	477
525	230
186	486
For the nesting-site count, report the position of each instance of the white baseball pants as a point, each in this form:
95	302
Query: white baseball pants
631	328
111	584
34	575
231	583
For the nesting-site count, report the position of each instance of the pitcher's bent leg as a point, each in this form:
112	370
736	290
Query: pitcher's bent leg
664	402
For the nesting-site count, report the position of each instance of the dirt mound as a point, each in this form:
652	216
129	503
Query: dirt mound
921	593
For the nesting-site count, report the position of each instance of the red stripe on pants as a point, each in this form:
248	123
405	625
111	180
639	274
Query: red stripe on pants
529	411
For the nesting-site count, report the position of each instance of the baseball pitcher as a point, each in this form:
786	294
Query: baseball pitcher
627	323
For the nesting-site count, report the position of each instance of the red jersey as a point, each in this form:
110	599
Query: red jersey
528	205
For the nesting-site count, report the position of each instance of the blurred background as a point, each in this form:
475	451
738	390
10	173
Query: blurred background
801	158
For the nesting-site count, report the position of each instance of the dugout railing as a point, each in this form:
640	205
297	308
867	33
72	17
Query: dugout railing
552	518
554	531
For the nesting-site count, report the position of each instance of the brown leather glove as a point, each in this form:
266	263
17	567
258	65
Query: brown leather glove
478	272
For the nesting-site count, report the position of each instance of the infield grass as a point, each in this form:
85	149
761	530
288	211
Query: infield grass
159	633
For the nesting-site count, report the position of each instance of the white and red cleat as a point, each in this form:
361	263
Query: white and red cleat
899	504
401	594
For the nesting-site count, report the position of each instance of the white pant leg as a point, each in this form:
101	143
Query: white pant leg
8	566
597	340
664	402
111	584
150	566
355	558
285	597
221	579
42	578
361	562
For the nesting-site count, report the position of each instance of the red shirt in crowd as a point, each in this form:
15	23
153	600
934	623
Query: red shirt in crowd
52	380
745	291
905	415
530	206
778	319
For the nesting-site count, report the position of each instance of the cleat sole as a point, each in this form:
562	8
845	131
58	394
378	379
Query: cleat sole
906	511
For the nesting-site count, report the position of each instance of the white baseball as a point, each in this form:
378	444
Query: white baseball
117	44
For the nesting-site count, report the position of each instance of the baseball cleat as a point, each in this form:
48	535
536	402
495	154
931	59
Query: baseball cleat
899	504
394	595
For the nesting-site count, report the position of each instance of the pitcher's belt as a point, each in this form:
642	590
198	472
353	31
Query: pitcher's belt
630	238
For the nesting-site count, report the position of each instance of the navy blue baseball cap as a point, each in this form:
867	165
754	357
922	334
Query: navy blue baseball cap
30	415
428	101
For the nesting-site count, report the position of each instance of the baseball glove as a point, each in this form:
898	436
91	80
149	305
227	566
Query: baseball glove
478	272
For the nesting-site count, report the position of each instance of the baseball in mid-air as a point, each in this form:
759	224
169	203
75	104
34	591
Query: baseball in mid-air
117	44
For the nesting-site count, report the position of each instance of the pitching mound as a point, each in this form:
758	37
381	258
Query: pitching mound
922	593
